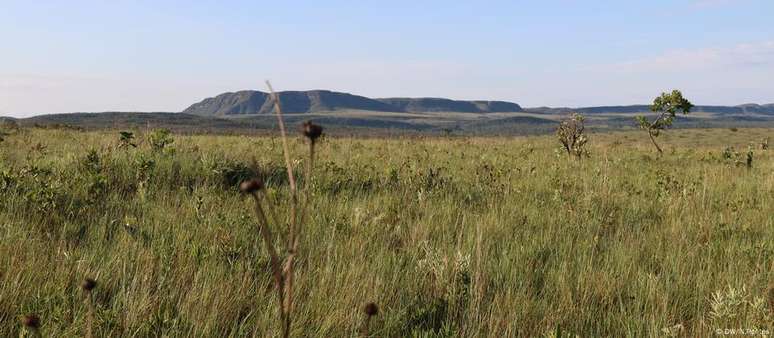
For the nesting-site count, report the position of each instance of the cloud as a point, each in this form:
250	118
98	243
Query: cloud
714	3
741	56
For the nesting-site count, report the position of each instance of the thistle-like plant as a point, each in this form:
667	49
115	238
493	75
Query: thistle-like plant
282	265
88	286
31	323
370	310
666	107
571	135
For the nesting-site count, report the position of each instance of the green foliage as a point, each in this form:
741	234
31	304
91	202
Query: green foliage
160	139
91	163
126	140
230	173
144	169
670	104
733	157
666	107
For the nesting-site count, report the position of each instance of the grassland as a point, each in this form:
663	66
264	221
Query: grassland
449	236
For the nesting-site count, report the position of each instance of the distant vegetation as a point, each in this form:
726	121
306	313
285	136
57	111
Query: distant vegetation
249	112
360	123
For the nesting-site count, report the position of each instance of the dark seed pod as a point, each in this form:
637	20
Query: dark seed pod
371	309
31	321
251	186
311	131
771	297
88	284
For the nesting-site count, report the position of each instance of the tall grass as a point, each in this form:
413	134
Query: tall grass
450	237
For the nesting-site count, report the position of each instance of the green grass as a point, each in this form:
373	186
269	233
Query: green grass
449	236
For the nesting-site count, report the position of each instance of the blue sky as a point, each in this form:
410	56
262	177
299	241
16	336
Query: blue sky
64	56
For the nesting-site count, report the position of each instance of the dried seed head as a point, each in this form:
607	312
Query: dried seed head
311	131
88	284
251	186
771	297
31	321
371	309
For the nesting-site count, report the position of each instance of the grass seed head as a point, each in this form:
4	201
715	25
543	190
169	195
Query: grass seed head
31	321
311	131
88	284
251	186
371	309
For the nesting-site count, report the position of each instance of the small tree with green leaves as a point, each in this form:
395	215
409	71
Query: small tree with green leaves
571	135
666	107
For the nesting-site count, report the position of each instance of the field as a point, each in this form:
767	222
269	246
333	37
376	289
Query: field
450	236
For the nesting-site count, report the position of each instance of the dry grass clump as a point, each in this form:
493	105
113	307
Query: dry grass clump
462	237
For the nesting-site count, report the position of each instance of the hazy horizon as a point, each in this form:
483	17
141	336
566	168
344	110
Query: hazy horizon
147	56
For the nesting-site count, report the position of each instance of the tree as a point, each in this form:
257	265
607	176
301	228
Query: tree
666	107
571	135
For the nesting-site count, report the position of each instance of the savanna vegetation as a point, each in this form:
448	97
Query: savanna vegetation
446	236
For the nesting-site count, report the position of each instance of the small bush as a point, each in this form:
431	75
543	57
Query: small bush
571	135
125	140
160	139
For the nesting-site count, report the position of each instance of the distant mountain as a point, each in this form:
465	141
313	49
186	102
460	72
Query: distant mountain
248	111
422	105
251	102
766	109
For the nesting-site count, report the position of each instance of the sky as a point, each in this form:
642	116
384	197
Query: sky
68	56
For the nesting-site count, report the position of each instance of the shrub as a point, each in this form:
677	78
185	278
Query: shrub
571	135
160	139
125	140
